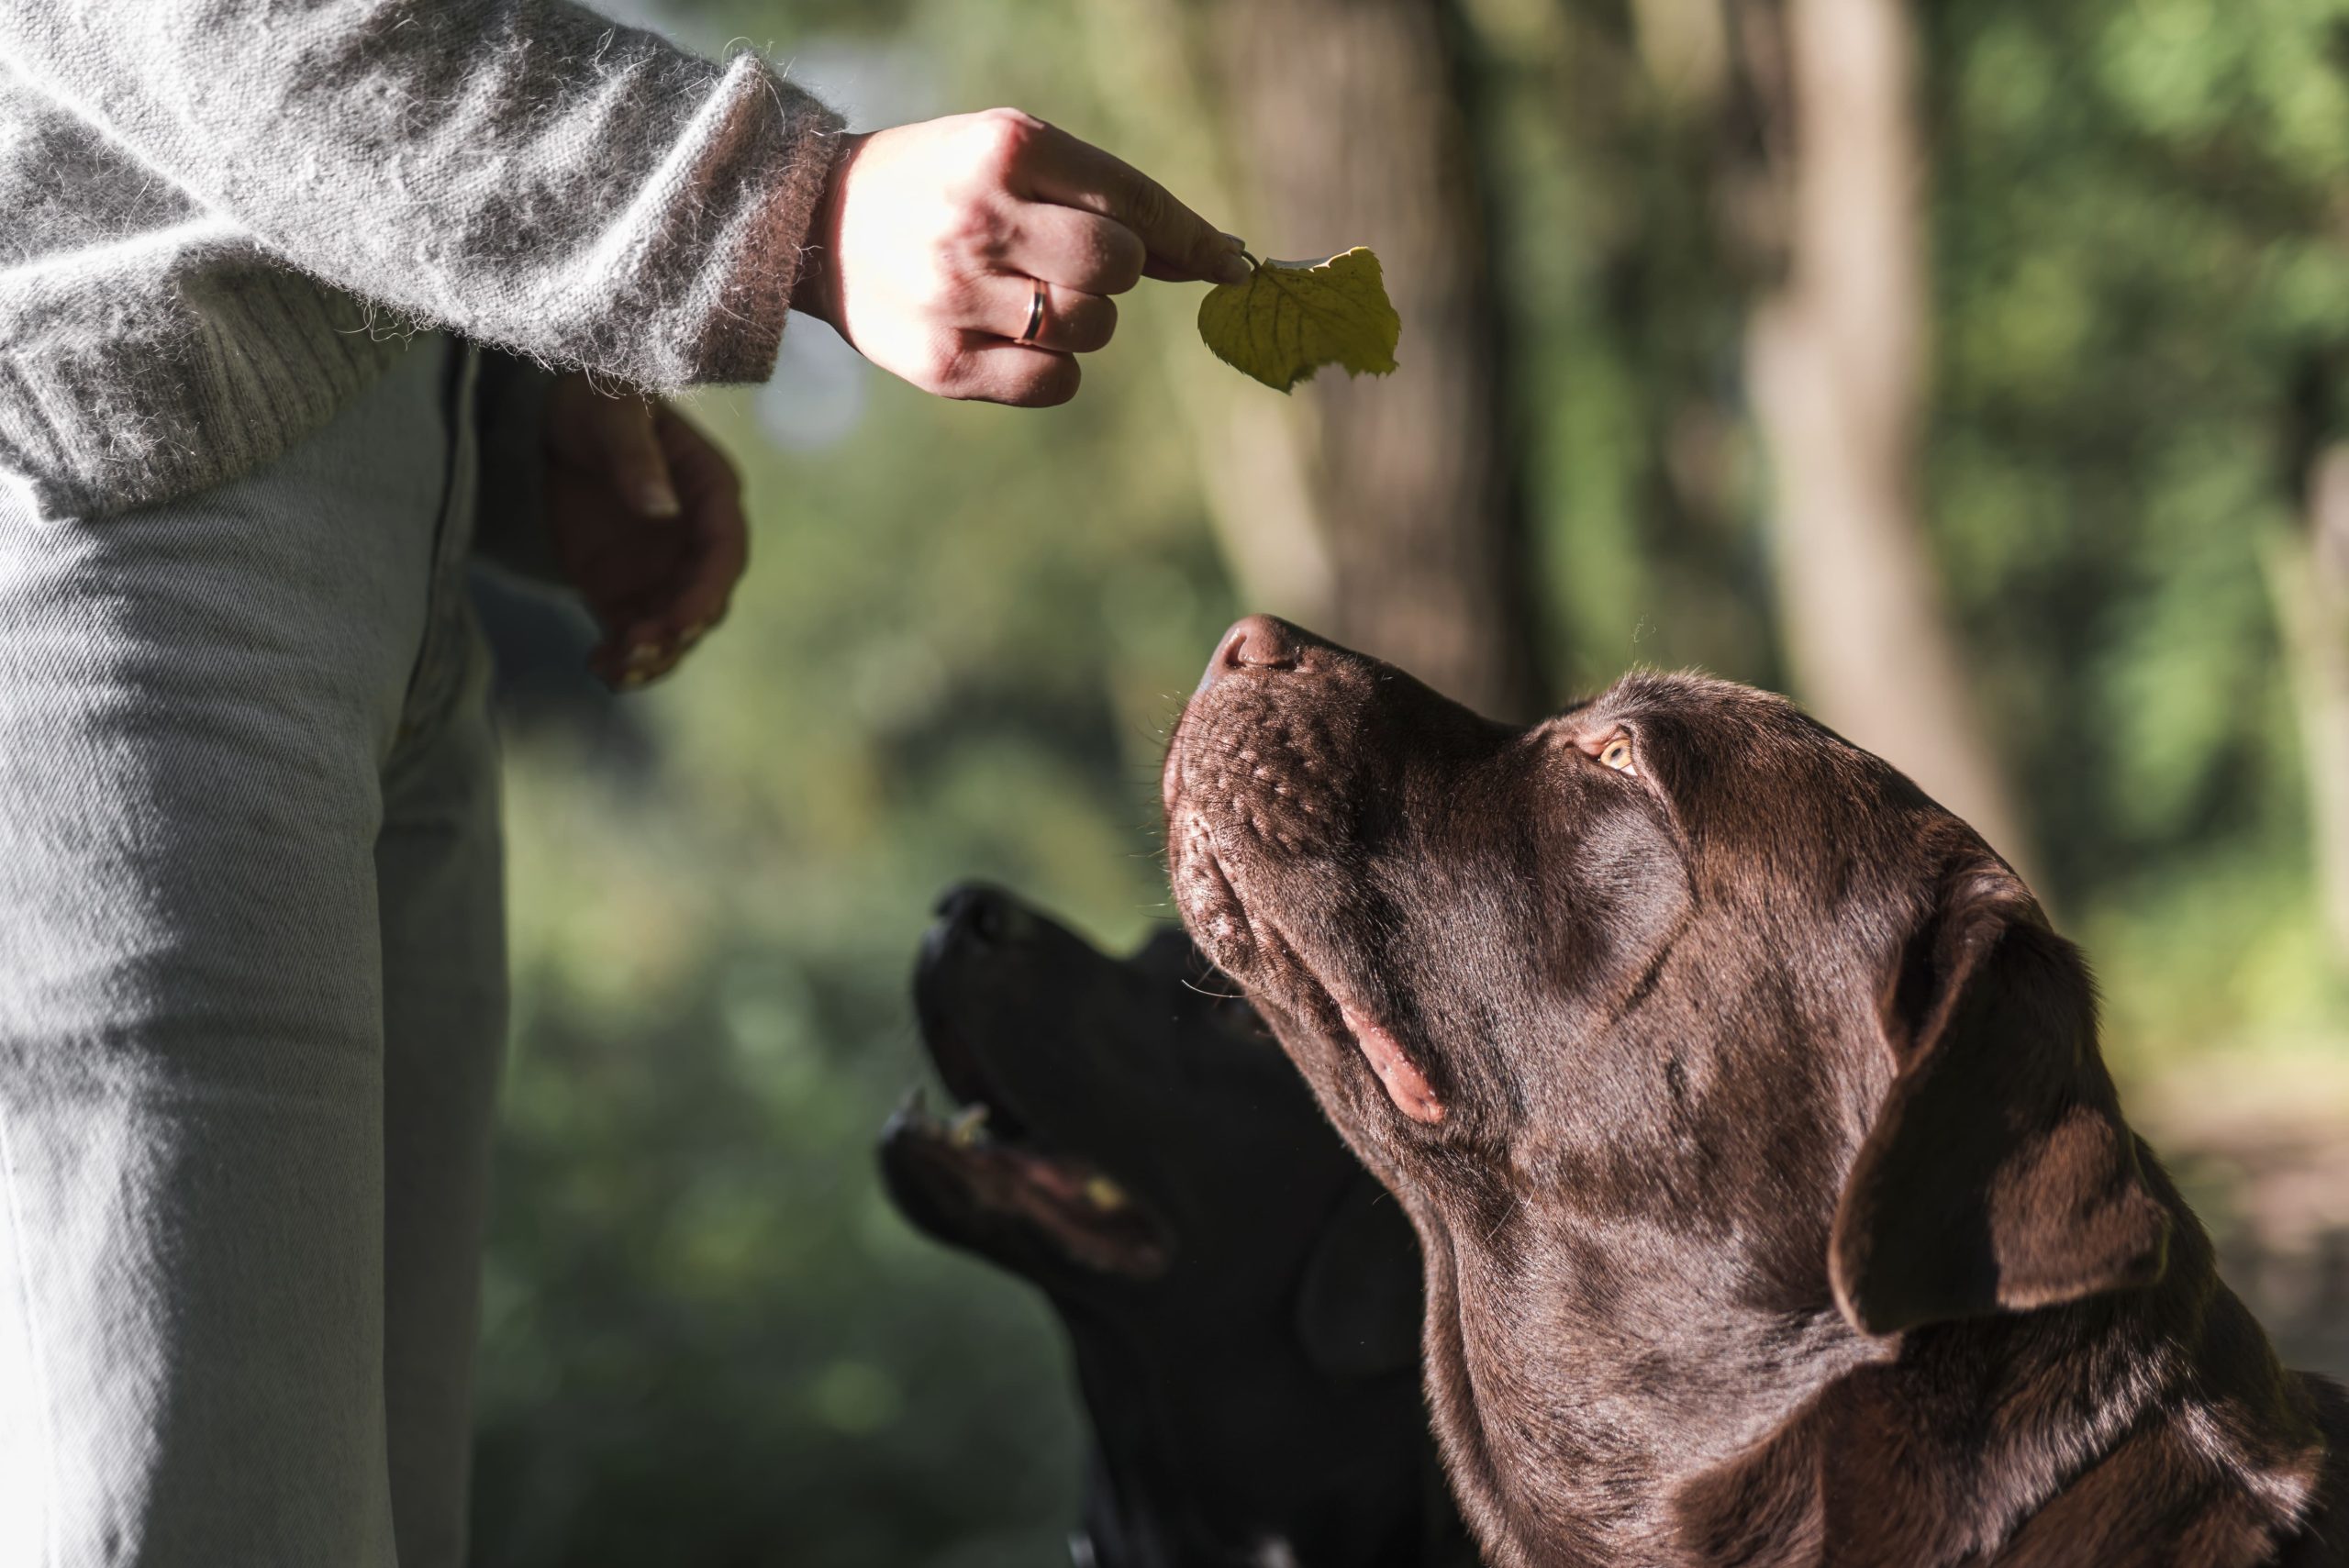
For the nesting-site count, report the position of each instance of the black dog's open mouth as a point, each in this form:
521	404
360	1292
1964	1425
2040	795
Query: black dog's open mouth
981	1168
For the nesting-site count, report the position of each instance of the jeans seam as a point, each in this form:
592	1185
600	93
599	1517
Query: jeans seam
440	654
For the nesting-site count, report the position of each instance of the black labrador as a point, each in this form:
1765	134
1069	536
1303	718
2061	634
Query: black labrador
1242	1298
1776	1206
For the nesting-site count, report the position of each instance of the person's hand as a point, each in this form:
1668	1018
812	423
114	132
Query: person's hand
646	515
929	243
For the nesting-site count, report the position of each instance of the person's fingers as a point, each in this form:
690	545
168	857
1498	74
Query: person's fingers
1068	246
1057	167
988	370
719	547
1165	272
631	641
623	661
630	455
1073	323
652	629
698	596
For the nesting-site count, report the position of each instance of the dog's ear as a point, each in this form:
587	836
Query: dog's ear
1358	1306
1998	1174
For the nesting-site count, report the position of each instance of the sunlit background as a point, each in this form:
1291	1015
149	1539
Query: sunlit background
1974	372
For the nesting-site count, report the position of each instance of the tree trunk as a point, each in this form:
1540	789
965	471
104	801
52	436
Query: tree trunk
1837	366
1254	455
2310	580
1347	122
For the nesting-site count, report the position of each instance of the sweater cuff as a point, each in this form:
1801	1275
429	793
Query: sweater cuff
785	152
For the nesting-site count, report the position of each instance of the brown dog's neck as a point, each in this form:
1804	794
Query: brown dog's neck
2106	1431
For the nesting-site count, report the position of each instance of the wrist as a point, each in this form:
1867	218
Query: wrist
817	290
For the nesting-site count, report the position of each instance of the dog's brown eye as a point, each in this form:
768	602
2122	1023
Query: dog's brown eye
1617	754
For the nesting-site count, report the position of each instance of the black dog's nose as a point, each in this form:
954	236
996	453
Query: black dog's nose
1253	642
975	911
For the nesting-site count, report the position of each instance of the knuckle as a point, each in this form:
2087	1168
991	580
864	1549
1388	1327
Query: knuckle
1004	237
1108	257
972	230
1001	138
938	368
1121	265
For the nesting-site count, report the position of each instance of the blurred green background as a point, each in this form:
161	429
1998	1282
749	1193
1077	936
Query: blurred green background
2076	287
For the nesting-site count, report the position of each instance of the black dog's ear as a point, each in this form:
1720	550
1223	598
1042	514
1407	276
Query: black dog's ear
1998	1174
1358	1308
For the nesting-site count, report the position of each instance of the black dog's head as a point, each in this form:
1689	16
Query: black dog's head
1241	1299
1708	1052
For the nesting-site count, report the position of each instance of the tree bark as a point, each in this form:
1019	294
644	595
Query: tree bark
1348	121
1837	367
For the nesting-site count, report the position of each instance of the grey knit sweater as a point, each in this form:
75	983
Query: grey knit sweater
217	214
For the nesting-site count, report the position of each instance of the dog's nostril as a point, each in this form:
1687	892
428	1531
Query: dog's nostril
975	911
986	920
1253	642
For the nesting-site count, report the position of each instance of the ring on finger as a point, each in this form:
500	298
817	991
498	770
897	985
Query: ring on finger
1027	338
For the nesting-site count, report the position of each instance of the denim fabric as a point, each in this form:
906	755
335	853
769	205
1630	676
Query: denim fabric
251	1004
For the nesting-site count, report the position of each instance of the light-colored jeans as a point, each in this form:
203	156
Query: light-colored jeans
251	1005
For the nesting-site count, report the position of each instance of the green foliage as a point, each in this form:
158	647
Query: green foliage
2141	272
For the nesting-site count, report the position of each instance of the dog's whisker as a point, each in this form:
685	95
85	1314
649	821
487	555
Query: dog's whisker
1217	995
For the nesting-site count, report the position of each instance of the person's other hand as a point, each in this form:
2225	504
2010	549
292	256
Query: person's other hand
930	240
646	515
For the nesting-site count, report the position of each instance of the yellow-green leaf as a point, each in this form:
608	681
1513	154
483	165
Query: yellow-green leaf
1292	317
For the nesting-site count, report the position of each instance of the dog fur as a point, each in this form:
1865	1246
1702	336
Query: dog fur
1776	1206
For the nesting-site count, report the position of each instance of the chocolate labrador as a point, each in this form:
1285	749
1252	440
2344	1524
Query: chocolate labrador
1776	1206
1242	1298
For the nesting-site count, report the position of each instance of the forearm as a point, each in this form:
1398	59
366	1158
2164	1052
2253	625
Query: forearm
521	171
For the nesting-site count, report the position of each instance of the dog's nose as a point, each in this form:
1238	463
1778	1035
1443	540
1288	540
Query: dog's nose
1253	642
971	911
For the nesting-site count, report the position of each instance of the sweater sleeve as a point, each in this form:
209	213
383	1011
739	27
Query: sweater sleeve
522	172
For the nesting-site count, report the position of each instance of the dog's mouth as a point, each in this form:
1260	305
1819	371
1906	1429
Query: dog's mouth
979	1170
1246	944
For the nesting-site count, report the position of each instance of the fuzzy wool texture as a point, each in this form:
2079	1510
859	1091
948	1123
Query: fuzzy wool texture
218	217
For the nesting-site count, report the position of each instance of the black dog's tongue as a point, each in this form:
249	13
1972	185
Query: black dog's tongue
989	1180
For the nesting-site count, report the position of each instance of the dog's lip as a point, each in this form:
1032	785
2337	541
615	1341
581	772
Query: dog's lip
1404	1083
1390	1062
1076	1205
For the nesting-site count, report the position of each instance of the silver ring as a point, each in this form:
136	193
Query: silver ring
1035	319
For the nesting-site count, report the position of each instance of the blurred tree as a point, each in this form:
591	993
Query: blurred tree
1349	123
2308	573
1838	371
